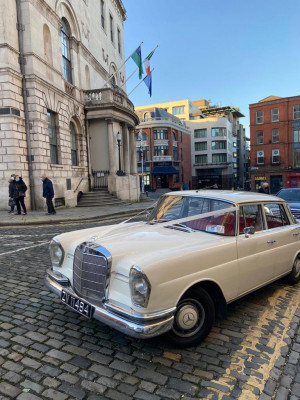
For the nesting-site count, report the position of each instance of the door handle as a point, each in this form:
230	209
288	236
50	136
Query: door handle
296	233
271	241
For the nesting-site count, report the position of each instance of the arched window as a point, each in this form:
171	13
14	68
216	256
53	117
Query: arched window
174	136
74	150
147	115
47	45
66	54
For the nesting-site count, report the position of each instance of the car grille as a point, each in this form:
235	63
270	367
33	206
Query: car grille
91	269
296	212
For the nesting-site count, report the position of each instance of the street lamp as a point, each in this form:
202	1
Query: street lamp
140	138
119	172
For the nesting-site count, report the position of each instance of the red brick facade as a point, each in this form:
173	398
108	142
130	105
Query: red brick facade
182	163
277	163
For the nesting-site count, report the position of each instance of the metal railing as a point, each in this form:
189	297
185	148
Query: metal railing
100	179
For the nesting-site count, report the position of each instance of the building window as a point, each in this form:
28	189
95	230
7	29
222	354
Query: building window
219	145
160	134
119	40
219	158
52	137
275	135
234	155
199	146
275	156
102	14
259	137
274	115
147	115
260	157
296	135
259	117
66	54
200	133
218	132
74	151
234	144
175	153
160	150
296	112
201	159
181	155
174	137
111	29
178	110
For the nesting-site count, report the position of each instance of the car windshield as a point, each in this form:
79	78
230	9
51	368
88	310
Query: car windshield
172	207
289	194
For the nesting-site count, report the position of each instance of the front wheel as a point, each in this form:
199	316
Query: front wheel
193	319
294	276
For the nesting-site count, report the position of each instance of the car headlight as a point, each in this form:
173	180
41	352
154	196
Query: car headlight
139	286
56	253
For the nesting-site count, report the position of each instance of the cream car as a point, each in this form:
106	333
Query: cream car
175	270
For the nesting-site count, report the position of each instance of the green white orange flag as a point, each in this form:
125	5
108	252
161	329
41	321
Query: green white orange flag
147	63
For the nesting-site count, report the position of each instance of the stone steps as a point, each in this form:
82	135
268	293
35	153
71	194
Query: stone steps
99	198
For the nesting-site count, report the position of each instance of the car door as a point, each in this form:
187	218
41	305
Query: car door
256	267
283	237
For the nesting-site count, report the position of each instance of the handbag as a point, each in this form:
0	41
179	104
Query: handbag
11	202
21	194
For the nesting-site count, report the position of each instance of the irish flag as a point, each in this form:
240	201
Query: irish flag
147	63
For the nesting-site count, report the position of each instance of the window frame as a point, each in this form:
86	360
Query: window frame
257	137
73	145
66	51
111	20
53	139
202	156
220	134
276	119
296	112
198	144
263	157
274	155
259	119
204	130
275	133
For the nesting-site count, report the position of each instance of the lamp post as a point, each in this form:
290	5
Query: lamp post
119	172
140	138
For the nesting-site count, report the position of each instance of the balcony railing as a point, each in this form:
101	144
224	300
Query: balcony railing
169	119
108	95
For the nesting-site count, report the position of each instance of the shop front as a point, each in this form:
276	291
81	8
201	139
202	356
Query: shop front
293	180
164	175
258	181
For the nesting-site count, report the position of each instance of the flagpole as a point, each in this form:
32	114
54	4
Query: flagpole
138	67
139	83
110	78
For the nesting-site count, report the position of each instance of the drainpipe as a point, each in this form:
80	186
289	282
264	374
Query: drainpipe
20	29
87	148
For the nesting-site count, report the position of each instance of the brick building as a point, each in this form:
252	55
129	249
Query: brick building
275	142
164	147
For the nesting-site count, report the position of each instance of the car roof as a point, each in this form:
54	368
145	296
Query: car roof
233	196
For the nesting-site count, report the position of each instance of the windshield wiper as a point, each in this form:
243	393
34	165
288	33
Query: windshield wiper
180	227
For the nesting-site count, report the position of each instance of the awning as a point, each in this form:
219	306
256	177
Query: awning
164	170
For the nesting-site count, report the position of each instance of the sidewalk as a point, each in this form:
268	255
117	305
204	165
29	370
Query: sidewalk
73	214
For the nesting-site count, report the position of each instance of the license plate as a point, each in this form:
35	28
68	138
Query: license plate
76	304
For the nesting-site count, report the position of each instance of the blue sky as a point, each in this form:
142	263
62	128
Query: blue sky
233	52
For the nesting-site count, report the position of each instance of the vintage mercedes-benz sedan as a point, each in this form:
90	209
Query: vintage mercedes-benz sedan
175	270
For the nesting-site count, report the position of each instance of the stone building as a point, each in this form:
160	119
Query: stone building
64	111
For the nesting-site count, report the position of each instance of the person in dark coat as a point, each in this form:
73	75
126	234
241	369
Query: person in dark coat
264	188
19	193
48	194
11	194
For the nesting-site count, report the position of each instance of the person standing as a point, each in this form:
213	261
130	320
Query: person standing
11	201
48	194
264	188
19	193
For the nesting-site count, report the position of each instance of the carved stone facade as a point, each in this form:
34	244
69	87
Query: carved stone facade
55	98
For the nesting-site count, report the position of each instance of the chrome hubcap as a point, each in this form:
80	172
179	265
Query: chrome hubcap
187	317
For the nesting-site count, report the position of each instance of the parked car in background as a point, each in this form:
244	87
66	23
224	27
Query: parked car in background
292	197
175	271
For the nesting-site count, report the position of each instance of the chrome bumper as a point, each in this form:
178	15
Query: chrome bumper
138	326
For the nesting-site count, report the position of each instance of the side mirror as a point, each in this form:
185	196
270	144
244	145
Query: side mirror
249	231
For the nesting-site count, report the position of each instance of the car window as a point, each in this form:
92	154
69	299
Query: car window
250	215
275	215
197	206
219	205
219	224
289	194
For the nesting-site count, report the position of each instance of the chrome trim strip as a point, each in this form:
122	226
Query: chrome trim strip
143	329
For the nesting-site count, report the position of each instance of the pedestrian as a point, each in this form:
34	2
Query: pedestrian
19	193
11	201
48	194
264	188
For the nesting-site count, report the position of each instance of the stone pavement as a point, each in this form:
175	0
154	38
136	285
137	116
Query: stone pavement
74	214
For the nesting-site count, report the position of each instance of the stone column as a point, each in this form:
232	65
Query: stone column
133	164
111	147
125	149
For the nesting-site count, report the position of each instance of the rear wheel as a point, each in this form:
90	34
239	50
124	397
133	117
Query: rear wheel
294	276
193	319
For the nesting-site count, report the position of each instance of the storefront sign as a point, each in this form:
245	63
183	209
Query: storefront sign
260	178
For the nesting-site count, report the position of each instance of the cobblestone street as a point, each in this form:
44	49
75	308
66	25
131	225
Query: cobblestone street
50	352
